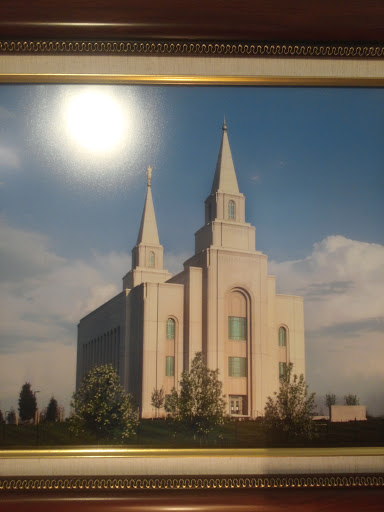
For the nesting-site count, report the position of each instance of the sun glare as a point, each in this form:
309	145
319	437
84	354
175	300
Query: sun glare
95	120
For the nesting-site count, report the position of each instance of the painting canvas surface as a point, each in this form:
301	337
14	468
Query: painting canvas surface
72	188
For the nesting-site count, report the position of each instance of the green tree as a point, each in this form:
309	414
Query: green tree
102	407
199	406
351	400
27	403
2	420
11	417
52	414
157	399
330	399
289	414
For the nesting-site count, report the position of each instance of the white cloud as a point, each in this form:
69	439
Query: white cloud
173	262
43	296
24	255
9	159
342	283
49	367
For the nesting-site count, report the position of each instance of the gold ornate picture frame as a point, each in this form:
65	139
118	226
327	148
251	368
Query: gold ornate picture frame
190	63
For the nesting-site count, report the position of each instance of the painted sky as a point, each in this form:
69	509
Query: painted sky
309	160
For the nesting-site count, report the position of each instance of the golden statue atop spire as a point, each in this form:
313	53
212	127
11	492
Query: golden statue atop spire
149	175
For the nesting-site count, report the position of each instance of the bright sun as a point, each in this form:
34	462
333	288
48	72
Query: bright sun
95	120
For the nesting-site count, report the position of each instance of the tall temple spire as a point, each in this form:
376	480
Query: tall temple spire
225	224
225	176
148	233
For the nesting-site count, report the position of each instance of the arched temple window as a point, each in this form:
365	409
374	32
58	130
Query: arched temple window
170	329
282	337
231	209
237	319
151	259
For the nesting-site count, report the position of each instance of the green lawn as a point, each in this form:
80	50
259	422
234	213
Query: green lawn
233	434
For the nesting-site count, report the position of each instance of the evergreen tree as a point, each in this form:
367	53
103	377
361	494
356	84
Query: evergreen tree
102	407
289	414
11	417
27	403
52	413
157	399
199	406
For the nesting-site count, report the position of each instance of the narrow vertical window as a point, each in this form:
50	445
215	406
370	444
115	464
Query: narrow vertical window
167	399
282	337
282	369
237	366
118	352
85	354
231	209
169	366
151	259
170	329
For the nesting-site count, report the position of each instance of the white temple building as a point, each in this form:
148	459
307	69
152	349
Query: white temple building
223	303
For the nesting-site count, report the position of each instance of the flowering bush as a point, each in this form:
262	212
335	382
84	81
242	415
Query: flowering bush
103	408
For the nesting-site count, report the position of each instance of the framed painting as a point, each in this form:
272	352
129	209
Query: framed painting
292	130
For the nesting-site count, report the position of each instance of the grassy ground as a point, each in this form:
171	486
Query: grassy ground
234	434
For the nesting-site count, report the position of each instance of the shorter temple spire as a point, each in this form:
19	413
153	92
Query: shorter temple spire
148	233
147	255
225	176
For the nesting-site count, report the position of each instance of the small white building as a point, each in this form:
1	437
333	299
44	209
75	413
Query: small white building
348	413
223	303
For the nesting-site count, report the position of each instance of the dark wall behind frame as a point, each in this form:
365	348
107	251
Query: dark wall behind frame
310	21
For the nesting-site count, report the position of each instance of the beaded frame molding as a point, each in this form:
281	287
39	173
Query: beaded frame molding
205	48
190	482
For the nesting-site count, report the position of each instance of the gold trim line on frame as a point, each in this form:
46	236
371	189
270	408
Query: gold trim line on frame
192	80
190	482
100	452
207	48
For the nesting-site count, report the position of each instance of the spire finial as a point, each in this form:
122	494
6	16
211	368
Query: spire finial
149	175
224	125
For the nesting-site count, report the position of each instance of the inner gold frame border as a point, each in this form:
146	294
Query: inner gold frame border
116	452
203	80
